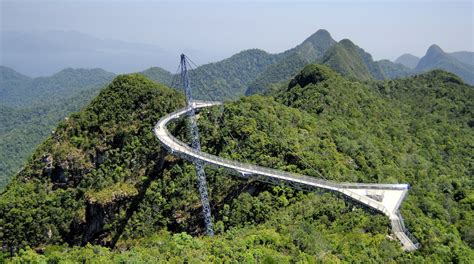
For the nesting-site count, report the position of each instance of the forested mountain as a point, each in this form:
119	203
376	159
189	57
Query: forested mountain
102	177
255	71
19	90
31	107
466	57
349	60
158	74
344	57
292	61
408	60
436	58
394	70
226	79
9	79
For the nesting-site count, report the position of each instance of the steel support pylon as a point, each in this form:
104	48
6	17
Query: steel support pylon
196	144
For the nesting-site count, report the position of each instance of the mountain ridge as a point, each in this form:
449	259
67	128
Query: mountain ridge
25	91
436	58
408	60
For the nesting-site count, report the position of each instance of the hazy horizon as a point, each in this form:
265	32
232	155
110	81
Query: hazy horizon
210	30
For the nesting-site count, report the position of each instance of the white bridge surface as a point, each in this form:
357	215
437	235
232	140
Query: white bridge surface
385	198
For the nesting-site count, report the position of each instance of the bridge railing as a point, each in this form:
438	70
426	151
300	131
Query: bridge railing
413	239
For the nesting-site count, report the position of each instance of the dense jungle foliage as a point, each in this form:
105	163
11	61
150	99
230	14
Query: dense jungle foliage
30	108
101	189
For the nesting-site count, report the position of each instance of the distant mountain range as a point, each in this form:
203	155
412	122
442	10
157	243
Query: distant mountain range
256	71
460	63
411	61
436	58
19	90
247	72
44	53
464	56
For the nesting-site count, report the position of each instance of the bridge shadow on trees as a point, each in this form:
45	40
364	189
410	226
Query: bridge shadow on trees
156	170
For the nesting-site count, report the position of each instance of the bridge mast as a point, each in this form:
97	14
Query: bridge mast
196	144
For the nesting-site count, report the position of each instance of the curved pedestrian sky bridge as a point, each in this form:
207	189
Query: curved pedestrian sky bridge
384	198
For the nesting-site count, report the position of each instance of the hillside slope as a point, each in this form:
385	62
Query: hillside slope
30	108
23	129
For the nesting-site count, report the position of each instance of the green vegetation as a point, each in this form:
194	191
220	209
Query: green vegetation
394	70
416	130
31	108
275	73
101	189
93	150
19	90
159	75
344	57
223	80
292	61
111	194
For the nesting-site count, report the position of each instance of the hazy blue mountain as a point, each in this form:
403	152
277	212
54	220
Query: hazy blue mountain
394	70
464	56
44	53
19	90
436	58
56	41
9	79
408	60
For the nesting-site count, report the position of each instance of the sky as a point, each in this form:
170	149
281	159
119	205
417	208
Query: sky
214	30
